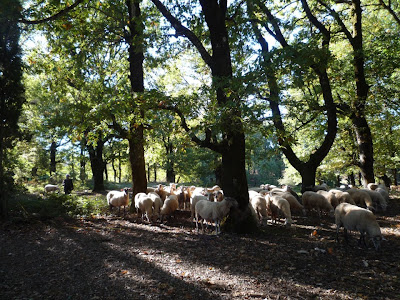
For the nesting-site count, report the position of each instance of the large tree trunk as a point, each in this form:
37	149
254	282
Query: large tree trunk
363	132
234	179
97	165
169	150
231	145
137	162
135	136
53	150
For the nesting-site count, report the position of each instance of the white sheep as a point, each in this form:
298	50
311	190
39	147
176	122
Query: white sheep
259	204
144	205
170	205
313	200
277	205
321	187
253	193
51	188
384	193
353	217
330	196
213	212
377	198
342	196
118	199
361	198
157	203
294	204
193	200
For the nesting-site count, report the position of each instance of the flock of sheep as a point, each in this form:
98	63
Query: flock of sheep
352	208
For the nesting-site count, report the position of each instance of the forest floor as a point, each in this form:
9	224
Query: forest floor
110	257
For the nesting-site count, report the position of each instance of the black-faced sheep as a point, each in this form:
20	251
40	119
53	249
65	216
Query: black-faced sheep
118	199
353	217
313	200
213	212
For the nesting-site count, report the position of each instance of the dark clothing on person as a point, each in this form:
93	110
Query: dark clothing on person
68	185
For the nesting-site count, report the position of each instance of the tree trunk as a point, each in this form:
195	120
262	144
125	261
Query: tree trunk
169	150
53	150
3	196
119	167
137	162
231	145
135	135
363	132
97	165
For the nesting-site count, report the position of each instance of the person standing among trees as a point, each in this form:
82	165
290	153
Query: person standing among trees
68	185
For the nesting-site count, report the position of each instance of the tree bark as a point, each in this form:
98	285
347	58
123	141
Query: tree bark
97	165
136	131
363	132
232	144
53	163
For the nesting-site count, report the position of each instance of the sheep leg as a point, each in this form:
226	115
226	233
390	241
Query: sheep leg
217	227
337	233
346	236
361	241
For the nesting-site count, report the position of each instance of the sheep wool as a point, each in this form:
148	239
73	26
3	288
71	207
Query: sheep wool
353	217
361	198
294	204
342	196
170	205
50	188
259	204
193	200
313	200
378	200
144	205
157	203
118	199
330	196
277	205
213	211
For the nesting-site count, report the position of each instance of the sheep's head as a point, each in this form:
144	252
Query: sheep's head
376	240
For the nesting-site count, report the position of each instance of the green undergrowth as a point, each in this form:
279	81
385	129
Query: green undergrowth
56	205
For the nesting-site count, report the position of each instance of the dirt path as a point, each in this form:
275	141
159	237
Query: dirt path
115	258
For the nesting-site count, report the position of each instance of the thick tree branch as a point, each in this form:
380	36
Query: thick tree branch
336	16
390	10
53	17
183	31
325	32
206	143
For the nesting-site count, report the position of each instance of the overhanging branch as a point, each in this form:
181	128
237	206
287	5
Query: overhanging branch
53	17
